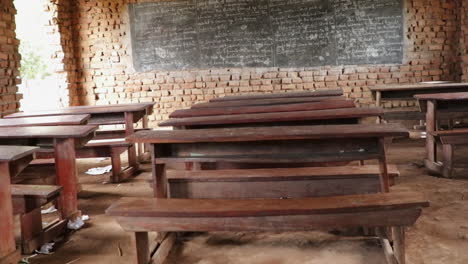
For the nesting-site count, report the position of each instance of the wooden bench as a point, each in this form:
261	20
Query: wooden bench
316	93
395	210
27	202
314	117
276	182
194	112
274	101
449	139
103	148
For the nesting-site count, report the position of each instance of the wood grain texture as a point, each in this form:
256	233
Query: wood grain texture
65	120
274	117
43	191
267	101
46	132
443	96
317	93
12	153
194	112
153	207
420	86
269	133
75	110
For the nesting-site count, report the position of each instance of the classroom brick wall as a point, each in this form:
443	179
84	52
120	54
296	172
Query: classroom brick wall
9	60
97	56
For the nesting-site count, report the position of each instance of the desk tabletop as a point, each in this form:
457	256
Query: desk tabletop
269	133
193	112
240	103
63	120
46	132
418	86
95	109
334	92
12	153
443	96
256	118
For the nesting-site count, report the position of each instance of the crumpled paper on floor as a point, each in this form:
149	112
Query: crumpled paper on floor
99	170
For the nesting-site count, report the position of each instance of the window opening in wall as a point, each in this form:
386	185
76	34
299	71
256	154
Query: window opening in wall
41	84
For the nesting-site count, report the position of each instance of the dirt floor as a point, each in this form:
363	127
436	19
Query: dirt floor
439	237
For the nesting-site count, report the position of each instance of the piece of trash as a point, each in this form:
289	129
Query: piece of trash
85	217
76	224
46	249
99	170
25	260
49	210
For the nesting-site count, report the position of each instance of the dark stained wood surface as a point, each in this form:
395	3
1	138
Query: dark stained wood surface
450	132
65	120
47	131
266	101
75	110
279	173
341	113
334	92
11	153
443	96
269	133
43	191
419	86
150	207
194	112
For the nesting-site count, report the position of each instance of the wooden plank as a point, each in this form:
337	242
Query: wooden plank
418	86
194	112
43	191
269	133
266	101
7	242
280	223
316	93
275	117
46	132
443	96
153	207
65	120
75	110
164	249
279	173
12	153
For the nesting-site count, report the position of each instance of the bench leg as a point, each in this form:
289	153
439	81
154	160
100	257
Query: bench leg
398	233
116	165
142	247
8	252
447	159
31	229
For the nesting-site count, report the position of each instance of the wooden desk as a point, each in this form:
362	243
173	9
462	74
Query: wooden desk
318	93
268	145
64	140
331	116
274	101
434	105
194	112
407	93
12	158
127	114
65	120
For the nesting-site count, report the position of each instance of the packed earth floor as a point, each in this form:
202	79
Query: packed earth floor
440	236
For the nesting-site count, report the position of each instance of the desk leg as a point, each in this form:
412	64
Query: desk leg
384	181
67	177
378	99
129	129
431	126
8	251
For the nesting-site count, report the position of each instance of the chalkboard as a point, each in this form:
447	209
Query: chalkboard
194	34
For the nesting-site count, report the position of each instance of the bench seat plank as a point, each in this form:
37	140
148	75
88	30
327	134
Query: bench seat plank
65	120
41	191
257	118
12	153
243	103
249	134
279	173
153	207
317	93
